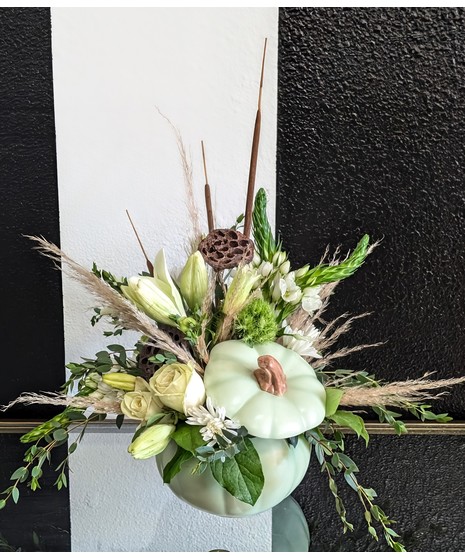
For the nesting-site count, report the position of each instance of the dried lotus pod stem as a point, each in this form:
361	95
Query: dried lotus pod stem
147	261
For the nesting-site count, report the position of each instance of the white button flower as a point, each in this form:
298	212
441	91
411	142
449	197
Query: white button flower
311	300
290	292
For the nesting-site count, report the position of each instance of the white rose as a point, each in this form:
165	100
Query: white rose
178	386
140	404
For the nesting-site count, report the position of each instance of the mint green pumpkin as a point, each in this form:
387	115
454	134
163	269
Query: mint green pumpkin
230	382
283	468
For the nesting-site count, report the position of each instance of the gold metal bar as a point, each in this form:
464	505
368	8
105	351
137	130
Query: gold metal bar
415	428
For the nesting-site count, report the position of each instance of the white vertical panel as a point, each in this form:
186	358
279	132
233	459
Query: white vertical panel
112	67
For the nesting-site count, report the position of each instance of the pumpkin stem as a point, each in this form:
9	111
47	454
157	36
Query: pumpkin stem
270	375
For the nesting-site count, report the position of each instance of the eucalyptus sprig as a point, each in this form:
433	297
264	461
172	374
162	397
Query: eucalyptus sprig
53	433
330	456
103	362
109	278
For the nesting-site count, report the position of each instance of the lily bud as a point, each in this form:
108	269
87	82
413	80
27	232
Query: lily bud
92	380
120	380
239	290
193	281
152	441
150	296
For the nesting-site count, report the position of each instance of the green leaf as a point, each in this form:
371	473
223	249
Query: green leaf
18	473
2	504
103	357
375	512
75	415
36	472
156	418
188	437
116	348
351	481
60	435
348	463
242	475
119	421
352	421
333	398
15	494
174	466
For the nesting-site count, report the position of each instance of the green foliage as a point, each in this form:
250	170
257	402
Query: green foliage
333	397
114	322
188	437
332	460
174	466
265	244
191	326
352	421
422	412
163	358
46	437
256	323
241	475
391	417
109	278
102	363
325	273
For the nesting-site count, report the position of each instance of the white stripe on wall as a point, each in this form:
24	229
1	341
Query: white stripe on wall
111	68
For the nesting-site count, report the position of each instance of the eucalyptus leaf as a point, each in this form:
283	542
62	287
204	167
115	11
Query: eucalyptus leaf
18	473
60	435
15	494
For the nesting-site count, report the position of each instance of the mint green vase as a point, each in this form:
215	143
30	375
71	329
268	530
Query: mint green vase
289	528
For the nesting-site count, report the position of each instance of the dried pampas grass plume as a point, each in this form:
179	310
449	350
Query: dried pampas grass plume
128	314
189	185
397	394
61	400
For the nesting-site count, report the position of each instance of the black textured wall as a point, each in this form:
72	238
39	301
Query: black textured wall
371	139
31	309
32	317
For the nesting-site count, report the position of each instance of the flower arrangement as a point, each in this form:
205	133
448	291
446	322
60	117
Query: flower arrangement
231	385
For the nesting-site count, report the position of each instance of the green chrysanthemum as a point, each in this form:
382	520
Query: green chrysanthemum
256	323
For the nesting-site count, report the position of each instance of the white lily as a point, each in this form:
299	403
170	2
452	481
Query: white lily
157	296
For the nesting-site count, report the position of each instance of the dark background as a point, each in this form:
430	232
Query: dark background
371	122
31	308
